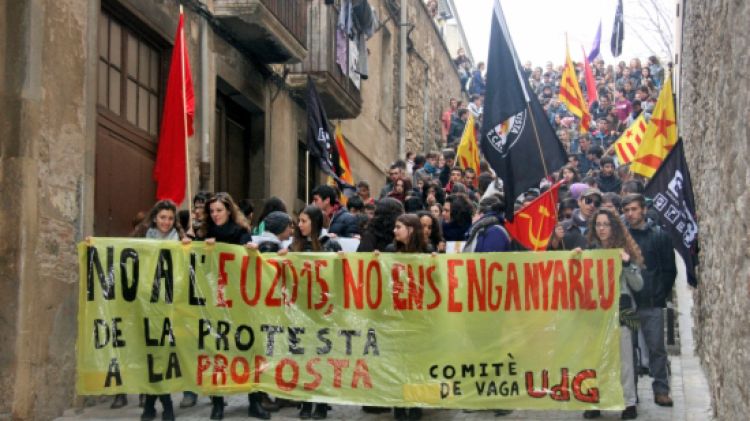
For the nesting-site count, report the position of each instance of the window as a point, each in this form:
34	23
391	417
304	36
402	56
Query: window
386	79
128	74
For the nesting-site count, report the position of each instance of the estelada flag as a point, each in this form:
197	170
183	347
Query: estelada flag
571	95
629	142
534	223
661	134
170	169
467	153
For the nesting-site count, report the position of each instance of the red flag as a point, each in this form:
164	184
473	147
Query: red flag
589	78
533	224
170	170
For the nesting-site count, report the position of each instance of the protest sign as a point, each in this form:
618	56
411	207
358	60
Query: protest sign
476	330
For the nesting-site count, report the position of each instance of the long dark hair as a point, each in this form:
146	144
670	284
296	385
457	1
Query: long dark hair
462	210
416	242
387	210
272	204
436	233
620	236
316	226
148	221
235	214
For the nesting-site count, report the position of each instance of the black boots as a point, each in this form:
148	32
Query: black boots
255	409
149	409
217	407
120	401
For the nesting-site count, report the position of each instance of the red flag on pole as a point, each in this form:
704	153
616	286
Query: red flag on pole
170	170
533	224
589	78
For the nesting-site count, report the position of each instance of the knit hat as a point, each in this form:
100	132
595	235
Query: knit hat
576	189
276	222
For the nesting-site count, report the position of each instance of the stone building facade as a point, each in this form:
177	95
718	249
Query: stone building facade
713	120
81	88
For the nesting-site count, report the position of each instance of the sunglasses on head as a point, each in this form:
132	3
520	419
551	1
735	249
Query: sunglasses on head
589	200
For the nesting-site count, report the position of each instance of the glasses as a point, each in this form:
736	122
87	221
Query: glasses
590	201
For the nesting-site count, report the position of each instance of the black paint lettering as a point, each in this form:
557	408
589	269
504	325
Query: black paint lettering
244	346
348	334
163	271
106	280
270	332
371	343
323	338
129	291
222	329
194	299
113	372
294	340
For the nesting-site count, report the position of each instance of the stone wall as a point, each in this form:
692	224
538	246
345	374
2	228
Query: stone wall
428	58
714	104
44	124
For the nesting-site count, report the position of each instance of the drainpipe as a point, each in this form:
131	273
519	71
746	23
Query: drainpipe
403	25
205	163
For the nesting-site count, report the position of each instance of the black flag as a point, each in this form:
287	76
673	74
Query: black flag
506	94
320	141
672	194
513	141
618	31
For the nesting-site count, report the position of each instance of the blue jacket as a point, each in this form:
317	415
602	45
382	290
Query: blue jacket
343	224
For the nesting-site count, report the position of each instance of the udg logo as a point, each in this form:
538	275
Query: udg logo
503	136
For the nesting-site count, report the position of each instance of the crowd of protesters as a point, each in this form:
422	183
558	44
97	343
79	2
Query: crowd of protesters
430	204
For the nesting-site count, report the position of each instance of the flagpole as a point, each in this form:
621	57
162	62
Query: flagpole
184	119
536	136
307	177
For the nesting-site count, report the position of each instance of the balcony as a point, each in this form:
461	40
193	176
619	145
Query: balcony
275	31
340	96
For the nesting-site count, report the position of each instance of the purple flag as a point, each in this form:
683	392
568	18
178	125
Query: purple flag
597	41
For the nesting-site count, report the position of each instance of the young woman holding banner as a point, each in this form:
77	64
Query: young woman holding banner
308	238
225	223
408	238
606	231
161	224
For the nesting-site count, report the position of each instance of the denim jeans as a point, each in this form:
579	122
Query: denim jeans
652	326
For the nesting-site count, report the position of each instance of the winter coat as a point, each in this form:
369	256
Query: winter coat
268	242
659	275
230	233
326	243
454	232
344	224
487	235
609	184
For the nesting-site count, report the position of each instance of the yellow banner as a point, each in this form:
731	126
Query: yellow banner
485	330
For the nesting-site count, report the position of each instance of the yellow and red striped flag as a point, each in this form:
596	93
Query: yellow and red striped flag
627	145
468	150
660	136
571	95
346	169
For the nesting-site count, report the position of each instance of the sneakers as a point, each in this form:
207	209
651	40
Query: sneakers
592	413
662	399
629	413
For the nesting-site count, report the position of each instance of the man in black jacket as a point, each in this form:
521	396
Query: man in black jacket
342	223
658	280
